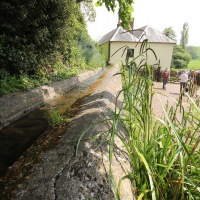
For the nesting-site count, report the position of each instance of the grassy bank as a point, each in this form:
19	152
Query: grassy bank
194	64
15	83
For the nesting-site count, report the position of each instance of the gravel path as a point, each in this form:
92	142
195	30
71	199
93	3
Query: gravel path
167	96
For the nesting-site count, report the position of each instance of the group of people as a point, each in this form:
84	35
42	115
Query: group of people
189	78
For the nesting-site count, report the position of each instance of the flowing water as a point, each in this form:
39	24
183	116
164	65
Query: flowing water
18	136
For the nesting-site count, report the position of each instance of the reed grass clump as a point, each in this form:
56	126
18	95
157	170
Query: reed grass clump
163	152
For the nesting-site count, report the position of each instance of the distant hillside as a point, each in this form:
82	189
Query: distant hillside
194	64
194	52
198	52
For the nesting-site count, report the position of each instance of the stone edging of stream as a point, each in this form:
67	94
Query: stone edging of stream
15	105
50	169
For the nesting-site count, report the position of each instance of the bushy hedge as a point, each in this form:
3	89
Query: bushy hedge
180	58
43	40
35	34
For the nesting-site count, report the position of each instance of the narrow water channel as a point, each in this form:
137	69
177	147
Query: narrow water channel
18	136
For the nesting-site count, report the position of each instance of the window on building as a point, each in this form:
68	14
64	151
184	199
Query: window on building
130	53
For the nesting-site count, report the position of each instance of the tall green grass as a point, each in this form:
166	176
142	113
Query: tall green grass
163	152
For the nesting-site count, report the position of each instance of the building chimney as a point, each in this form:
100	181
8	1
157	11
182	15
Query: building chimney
118	24
132	25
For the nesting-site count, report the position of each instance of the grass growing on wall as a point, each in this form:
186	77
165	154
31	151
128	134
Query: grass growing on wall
54	117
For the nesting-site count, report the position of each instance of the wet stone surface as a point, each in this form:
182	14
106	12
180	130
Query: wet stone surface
51	169
19	135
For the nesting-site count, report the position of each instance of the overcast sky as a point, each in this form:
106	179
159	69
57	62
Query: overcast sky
159	14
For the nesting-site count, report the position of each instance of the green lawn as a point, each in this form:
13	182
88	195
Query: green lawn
194	64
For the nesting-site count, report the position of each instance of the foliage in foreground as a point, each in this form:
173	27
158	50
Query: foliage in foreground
163	152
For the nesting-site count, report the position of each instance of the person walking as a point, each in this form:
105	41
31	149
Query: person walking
183	81
197	82
191	78
165	76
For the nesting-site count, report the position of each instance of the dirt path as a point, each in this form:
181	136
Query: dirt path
169	96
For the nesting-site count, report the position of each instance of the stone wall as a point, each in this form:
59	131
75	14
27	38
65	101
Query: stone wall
14	106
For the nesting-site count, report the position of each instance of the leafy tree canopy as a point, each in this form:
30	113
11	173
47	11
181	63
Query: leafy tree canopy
125	9
170	33
31	32
88	10
35	34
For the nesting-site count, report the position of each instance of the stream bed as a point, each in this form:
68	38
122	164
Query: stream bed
16	138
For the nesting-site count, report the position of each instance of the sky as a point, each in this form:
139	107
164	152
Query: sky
159	14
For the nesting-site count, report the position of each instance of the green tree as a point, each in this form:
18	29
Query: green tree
35	34
125	9
180	58
79	49
31	32
184	35
88	10
170	33
193	51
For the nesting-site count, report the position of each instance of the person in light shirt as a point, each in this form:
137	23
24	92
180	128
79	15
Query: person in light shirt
183	80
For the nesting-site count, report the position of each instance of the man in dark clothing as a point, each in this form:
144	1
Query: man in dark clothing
198	78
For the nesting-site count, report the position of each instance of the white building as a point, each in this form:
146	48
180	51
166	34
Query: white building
115	45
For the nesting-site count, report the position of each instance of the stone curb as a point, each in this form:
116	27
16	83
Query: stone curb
16	105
